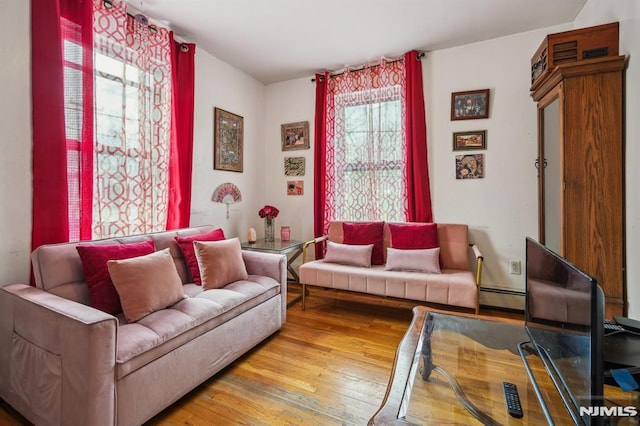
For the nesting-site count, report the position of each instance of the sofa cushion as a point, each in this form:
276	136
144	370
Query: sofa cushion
162	331
451	287
220	262
414	235
349	254
363	233
422	260
186	246
146	284
94	259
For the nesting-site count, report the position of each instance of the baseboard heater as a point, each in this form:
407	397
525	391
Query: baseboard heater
502	291
502	298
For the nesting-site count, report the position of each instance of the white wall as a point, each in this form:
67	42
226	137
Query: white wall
220	85
501	209
627	12
15	141
289	102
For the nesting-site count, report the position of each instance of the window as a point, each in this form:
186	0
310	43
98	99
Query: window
373	168
112	118
365	147
130	126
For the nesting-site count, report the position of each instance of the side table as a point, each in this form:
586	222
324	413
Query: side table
291	248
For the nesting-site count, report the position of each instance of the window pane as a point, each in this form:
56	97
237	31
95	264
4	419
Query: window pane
369	156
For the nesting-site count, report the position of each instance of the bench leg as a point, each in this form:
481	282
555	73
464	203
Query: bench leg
304	295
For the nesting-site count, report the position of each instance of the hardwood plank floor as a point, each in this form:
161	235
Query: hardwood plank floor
328	365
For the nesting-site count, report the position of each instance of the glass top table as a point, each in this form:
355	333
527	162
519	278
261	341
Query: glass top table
290	248
470	359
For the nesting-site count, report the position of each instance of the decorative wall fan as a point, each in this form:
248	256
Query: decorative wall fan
226	193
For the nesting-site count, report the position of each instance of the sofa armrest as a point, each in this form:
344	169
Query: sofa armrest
57	358
309	243
479	259
269	265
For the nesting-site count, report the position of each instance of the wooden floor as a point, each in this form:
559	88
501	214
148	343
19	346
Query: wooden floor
329	365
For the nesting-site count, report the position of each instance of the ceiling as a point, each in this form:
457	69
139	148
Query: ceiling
278	40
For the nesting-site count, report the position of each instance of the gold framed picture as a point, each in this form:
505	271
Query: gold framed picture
295	136
228	129
475	139
470	105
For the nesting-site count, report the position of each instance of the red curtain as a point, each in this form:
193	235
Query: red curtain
320	138
53	201
408	73
418	188
64	154
180	170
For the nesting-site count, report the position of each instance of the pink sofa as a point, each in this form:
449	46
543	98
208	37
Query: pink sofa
457	285
63	362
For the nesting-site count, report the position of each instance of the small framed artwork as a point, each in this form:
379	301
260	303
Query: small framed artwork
470	105
294	166
476	139
227	140
295	187
295	136
470	166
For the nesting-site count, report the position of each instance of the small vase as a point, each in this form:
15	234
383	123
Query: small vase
269	230
285	233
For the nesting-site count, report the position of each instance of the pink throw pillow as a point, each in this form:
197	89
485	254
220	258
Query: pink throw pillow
186	246
414	235
421	260
349	254
146	284
364	233
220	262
96	273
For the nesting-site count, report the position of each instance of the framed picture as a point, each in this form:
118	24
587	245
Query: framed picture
295	187
470	166
227	140
476	139
294	166
295	136
470	105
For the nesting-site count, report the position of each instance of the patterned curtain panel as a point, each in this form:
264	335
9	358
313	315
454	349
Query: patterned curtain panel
112	117
365	176
132	123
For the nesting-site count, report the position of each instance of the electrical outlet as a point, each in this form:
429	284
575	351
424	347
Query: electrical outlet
515	267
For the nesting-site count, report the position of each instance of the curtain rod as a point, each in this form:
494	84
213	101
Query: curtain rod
144	20
419	56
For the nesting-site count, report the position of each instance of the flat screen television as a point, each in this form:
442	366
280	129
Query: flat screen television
564	316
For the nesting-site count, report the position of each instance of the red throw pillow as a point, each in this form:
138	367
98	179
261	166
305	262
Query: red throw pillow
414	236
189	253
94	259
363	233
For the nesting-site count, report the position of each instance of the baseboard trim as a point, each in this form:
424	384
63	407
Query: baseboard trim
502	298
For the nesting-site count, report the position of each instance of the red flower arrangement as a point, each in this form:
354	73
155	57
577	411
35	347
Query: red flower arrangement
268	212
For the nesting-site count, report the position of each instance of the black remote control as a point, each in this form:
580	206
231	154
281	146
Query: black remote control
512	399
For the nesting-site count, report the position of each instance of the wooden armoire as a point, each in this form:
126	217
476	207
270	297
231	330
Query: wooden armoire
581	154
